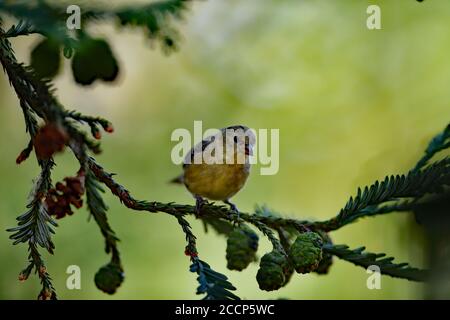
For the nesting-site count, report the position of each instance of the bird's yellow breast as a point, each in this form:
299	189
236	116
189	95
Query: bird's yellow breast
215	181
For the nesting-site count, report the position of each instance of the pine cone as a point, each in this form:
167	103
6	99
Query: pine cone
242	245
274	271
109	277
60	198
306	252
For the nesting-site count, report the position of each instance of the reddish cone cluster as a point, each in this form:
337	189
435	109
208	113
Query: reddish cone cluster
47	294
190	252
23	277
49	140
63	195
23	156
109	128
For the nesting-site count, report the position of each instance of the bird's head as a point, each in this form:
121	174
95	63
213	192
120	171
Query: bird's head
240	139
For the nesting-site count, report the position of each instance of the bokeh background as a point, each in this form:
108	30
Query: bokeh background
352	106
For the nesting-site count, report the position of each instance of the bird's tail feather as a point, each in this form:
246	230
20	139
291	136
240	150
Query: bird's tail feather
177	180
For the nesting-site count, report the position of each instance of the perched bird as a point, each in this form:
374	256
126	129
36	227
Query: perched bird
218	166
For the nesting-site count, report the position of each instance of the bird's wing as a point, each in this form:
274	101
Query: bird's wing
198	148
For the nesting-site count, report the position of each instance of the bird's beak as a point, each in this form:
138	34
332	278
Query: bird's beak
248	150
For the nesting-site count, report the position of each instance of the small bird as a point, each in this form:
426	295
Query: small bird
222	179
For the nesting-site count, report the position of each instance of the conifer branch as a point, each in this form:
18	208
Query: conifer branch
270	235
93	122
34	226
50	19
212	283
413	185
63	128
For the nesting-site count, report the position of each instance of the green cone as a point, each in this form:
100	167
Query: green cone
109	277
242	245
306	252
274	271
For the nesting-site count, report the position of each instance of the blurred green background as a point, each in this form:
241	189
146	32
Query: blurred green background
352	105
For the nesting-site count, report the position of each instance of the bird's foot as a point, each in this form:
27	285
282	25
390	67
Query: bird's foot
237	218
199	202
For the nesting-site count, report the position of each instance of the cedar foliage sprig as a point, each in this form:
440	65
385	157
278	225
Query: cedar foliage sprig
49	20
41	109
439	143
23	28
98	209
364	259
413	185
214	284
35	227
